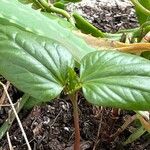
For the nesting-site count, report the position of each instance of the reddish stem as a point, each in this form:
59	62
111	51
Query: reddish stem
73	98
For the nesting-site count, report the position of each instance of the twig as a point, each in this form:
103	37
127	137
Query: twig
7	124
124	126
4	94
9	142
5	105
56	118
17	117
99	129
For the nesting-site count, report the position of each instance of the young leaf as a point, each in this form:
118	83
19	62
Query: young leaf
73	83
115	79
36	65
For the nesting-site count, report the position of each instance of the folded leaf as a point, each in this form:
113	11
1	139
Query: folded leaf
116	80
36	65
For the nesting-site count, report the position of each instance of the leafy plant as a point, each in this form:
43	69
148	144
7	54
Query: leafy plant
43	68
39	52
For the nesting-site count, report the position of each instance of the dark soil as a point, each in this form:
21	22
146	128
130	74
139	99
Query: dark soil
50	127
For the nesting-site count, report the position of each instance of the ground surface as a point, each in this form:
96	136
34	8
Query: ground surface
107	15
50	127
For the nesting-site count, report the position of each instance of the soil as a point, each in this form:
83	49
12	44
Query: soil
108	16
50	126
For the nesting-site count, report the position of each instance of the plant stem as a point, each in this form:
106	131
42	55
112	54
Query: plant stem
9	142
52	8
7	124
17	117
73	98
140	7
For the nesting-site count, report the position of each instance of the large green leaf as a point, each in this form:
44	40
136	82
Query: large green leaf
33	21
36	65
117	80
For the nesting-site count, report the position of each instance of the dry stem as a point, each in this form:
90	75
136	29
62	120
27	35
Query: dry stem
17	117
9	142
100	43
4	94
124	126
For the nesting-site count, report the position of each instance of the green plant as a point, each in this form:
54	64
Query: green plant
39	51
43	68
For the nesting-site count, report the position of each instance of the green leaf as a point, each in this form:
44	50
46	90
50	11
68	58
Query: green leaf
33	21
36	65
73	82
31	102
59	5
87	27
115	79
64	23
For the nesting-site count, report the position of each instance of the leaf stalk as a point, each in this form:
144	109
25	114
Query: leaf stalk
140	7
50	7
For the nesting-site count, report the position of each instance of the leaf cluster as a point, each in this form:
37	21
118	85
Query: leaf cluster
43	68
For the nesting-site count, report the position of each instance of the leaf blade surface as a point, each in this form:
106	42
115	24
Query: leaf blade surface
34	64
113	79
